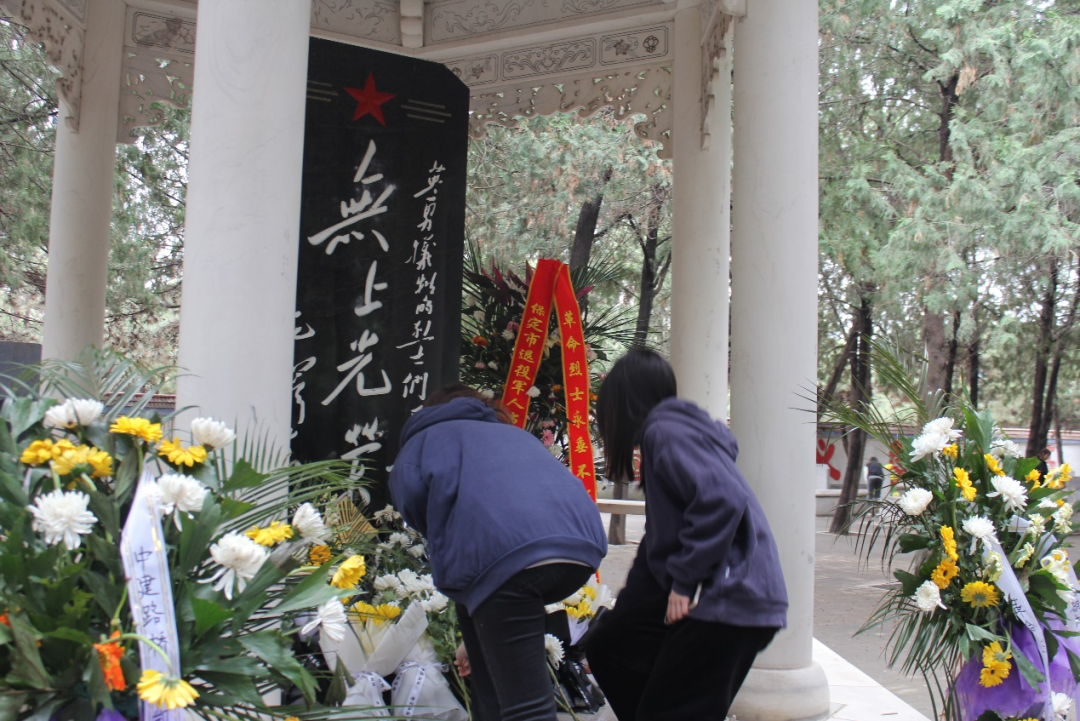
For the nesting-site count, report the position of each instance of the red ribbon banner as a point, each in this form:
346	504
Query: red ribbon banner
551	285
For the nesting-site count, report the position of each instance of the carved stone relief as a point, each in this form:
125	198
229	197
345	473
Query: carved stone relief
147	80
370	19
62	36
556	60
77	8
629	91
148	30
457	19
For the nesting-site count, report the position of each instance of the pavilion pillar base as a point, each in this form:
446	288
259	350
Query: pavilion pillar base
783	694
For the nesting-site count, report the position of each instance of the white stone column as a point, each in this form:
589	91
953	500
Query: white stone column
774	325
243	213
81	212
701	219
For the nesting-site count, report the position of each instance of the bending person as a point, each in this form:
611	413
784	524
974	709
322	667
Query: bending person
509	530
705	594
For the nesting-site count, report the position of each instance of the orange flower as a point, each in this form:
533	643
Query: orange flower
4	620
109	655
556	388
479	340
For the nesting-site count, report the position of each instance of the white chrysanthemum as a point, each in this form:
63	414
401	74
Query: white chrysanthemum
1062	704
1002	447
493	366
399	539
1062	517
309	524
1012	492
508	334
331	618
573	599
1047	504
210	433
436	603
240	559
980	528
935	435
533	392
61	416
942	426
1036	525
554	649
487	393
915	501
63	517
386	515
417	551
179	494
389	581
87	410
928	597
479	316
553	608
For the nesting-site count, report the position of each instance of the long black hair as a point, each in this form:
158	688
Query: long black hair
637	382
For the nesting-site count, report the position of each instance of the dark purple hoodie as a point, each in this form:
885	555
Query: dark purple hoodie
704	526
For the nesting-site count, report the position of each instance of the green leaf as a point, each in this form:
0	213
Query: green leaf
913	542
65	633
978	633
237	685
312	591
25	412
909	582
275	650
208	614
26	661
243	476
1027	669
198	533
339	686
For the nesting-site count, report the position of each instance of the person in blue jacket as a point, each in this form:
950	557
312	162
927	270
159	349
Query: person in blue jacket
706	593
509	530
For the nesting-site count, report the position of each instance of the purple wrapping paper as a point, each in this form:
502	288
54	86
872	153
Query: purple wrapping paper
1014	698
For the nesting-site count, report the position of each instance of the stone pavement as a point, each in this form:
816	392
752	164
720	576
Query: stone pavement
846	592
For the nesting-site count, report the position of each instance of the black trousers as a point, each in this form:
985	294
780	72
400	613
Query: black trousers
873	486
649	671
505	639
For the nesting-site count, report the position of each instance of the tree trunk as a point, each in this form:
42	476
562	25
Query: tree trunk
838	369
934	323
1038	430
860	397
973	361
652	274
936	350
616	532
954	347
585	232
1057	437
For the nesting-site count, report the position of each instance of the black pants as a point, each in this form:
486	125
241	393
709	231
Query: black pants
873	486
505	639
689	671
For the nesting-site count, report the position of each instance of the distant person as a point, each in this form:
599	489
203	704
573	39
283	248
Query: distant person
1043	468
706	593
509	530
875	477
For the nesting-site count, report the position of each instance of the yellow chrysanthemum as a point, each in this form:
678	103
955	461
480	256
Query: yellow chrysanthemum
379	614
951	451
349	573
37	453
963	482
101	462
996	665
582	610
1033	477
167	692
138	427
993	465
272	535
69	460
318	555
61	447
948	540
589	592
980	594
1058	477
176	453
944	574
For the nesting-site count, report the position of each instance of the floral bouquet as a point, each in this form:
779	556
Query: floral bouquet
139	569
494	304
989	602
396	627
568	621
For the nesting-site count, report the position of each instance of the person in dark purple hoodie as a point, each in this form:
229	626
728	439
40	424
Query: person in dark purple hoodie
509	530
706	593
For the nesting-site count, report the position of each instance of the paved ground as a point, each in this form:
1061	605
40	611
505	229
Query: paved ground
846	593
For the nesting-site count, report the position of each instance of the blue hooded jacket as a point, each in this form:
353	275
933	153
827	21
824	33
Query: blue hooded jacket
489	499
704	526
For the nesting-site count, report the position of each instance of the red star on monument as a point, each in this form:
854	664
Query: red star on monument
369	100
